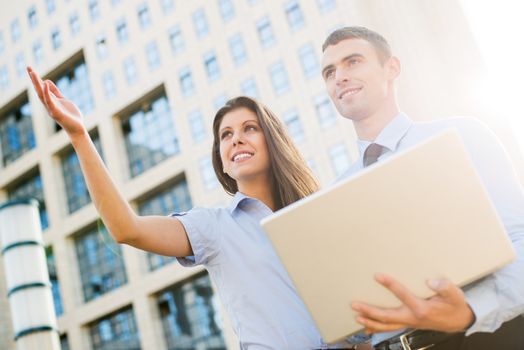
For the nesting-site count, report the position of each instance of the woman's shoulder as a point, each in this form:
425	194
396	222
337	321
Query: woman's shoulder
202	213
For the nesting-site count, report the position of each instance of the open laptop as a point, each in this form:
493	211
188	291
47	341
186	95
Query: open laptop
423	213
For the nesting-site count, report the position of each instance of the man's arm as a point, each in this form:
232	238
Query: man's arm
487	303
499	297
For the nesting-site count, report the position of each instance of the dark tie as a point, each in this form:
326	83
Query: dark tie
371	154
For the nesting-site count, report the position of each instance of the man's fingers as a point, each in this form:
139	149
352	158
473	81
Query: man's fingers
401	292
446	289
374	326
383	315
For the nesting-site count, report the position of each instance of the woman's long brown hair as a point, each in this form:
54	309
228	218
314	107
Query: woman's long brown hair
291	178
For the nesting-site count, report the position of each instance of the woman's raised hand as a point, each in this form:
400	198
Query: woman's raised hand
63	111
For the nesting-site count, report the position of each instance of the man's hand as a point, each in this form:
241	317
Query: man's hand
447	311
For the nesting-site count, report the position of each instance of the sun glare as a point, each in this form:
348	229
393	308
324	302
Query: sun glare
498	29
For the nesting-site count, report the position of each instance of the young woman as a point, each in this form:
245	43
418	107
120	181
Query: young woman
256	162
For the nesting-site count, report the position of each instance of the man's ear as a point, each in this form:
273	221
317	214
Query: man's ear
393	67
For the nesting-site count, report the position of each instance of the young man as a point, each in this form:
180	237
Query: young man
360	74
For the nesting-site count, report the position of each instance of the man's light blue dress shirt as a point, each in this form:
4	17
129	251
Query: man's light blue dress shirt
500	296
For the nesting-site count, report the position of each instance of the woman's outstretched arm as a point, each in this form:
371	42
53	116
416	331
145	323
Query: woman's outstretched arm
157	234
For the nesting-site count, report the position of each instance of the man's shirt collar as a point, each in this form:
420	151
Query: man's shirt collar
391	135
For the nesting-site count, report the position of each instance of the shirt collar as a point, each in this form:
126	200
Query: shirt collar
240	199
391	135
237	199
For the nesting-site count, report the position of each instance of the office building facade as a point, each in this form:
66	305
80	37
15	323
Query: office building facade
149	76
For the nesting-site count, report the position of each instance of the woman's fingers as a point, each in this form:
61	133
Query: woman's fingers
37	83
49	98
40	86
64	112
54	89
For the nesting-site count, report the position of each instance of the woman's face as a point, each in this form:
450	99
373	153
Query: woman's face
243	147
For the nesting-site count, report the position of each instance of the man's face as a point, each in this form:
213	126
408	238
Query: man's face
358	83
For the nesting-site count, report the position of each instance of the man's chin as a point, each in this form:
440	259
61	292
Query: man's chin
349	112
351	115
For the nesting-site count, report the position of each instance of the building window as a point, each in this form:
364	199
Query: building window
326	5
16	133
74	84
219	101
153	55
279	78
176	39
200	23
32	18
265	32
116	331
20	64
325	113
294	16
186	81
249	88
130	70
121	31
211	64
190	316
167	6
56	39
237	49
308	61
15	30
4	78
100	263
339	158
74	24
150	135
75	186
53	278
196	124
50	6
226	10
31	188
94	10
207	172
101	47
64	342
108	81
293	125
38	53
115	2
144	17
174	199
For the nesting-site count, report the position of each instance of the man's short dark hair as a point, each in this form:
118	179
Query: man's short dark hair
378	41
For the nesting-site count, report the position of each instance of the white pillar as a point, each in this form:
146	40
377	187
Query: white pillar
27	278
